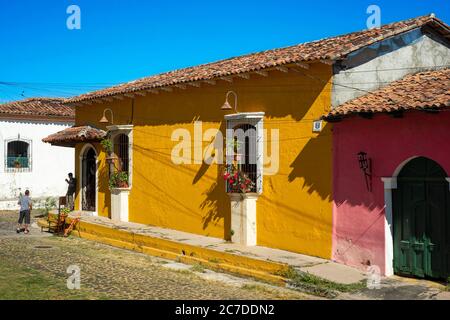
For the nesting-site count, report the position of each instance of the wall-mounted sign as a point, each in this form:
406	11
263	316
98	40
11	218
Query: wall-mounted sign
317	125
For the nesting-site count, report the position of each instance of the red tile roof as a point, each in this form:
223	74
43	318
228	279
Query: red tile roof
73	135
333	48
419	91
39	107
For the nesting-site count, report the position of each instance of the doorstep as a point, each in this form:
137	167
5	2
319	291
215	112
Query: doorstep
258	262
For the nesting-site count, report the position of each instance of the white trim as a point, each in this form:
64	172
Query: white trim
29	155
80	158
255	119
244	115
448	180
389	184
243	218
128	130
119	204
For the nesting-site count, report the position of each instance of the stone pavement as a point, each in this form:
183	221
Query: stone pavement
121	274
320	267
112	273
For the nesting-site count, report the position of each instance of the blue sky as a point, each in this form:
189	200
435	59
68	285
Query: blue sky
124	40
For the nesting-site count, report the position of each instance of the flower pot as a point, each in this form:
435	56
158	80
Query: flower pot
122	184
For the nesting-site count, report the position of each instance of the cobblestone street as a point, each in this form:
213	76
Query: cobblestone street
107	272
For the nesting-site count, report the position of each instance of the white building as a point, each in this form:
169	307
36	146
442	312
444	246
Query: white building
26	161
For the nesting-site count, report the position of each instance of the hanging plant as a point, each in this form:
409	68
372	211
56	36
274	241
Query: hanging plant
107	146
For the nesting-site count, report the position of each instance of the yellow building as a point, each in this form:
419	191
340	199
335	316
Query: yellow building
169	134
161	128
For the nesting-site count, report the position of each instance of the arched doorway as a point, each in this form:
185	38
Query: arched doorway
89	179
421	220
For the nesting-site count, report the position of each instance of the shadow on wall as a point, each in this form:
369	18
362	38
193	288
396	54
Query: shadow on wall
313	164
103	188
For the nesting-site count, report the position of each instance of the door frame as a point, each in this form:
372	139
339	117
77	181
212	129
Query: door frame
83	150
390	183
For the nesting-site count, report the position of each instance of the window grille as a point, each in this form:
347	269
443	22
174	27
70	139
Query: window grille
18	156
245	147
121	145
248	127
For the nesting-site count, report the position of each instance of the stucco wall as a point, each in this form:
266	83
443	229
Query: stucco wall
383	62
50	164
294	211
358	233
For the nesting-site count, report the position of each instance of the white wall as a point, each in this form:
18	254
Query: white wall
50	164
375	66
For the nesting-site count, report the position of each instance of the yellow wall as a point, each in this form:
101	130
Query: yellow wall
294	211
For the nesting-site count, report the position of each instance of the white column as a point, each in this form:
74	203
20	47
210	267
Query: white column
389	184
119	204
243	218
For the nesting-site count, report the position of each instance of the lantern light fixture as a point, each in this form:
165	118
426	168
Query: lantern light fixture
226	105
104	119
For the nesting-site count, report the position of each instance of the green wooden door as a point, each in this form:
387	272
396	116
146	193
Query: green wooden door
421	220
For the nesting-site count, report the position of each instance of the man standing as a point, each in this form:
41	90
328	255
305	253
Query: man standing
71	190
25	211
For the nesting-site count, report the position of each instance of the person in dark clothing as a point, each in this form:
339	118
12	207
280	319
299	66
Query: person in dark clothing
71	190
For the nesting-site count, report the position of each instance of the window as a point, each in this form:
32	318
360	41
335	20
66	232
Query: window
122	139
121	148
245	145
245	130
18	155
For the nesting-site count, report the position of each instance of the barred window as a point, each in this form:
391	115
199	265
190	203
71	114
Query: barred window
18	155
245	141
121	146
245	135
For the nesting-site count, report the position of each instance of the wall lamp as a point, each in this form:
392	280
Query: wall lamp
226	105
104	119
365	164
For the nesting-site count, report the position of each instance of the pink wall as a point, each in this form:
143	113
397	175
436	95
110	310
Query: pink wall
358	215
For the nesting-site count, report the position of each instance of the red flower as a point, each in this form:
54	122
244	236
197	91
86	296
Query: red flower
226	176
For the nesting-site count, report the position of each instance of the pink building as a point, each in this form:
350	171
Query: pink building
391	186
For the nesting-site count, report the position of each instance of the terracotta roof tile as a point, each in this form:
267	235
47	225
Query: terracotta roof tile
423	90
330	48
70	136
48	107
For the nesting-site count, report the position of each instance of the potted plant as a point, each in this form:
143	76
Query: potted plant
237	180
17	163
118	179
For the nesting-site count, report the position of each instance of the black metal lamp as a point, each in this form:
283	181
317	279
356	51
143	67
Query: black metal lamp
365	164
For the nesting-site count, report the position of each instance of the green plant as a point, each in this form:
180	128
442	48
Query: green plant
198	267
107	145
312	284
65	211
231	232
50	203
118	179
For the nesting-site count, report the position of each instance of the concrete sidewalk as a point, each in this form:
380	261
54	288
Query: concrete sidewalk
259	262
